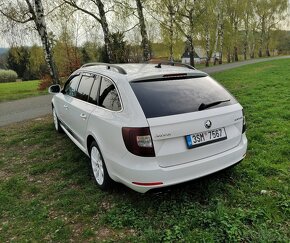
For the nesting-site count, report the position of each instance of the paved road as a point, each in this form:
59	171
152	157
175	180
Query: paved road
220	68
29	108
24	109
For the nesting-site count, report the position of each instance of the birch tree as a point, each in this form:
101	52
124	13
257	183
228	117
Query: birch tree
247	12
186	21
269	13
208	21
145	42
164	12
96	9
23	12
234	17
217	30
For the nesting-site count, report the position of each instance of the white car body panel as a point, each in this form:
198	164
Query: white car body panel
169	135
133	168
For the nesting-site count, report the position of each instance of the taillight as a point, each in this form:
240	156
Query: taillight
244	122
138	141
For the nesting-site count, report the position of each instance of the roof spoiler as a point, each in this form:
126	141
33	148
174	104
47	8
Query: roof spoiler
172	64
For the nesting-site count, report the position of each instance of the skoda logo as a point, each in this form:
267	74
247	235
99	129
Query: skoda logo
207	124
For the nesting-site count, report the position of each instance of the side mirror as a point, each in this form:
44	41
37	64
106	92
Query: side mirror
54	89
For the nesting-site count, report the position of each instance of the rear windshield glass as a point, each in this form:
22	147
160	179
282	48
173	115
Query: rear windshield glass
177	96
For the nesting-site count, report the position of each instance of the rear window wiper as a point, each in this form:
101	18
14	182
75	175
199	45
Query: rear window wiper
205	106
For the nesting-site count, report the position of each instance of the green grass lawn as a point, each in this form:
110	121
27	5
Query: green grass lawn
19	90
46	190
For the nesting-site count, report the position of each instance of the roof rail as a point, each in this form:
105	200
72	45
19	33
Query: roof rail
173	64
108	65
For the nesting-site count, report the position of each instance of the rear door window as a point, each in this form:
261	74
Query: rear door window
85	87
177	96
93	97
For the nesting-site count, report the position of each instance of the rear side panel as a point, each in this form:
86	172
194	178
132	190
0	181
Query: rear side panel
168	134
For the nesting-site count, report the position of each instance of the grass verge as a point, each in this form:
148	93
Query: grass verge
46	191
19	90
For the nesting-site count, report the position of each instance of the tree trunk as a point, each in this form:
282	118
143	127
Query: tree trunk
252	51
39	20
252	43
267	43
229	56
221	43
260	52
235	54
221	58
268	51
170	8
207	47
245	51
246	36
262	37
191	50
106	32
236	57
217	32
145	42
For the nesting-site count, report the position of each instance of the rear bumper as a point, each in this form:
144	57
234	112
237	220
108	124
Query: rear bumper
146	170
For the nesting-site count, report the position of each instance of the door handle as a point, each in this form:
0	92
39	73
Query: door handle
65	106
83	116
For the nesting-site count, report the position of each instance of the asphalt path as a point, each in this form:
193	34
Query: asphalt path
31	108
24	109
224	67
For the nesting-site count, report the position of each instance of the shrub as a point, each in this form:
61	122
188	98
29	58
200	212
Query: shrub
45	82
7	76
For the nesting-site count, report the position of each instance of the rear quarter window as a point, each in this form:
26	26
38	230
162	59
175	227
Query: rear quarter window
109	97
177	96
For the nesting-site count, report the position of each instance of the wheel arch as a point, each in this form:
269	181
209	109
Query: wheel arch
90	140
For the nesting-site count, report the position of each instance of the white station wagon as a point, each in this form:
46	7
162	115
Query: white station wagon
149	126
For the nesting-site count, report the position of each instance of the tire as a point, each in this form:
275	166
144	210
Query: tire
99	169
56	122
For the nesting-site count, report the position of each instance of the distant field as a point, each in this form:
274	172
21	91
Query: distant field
19	90
47	193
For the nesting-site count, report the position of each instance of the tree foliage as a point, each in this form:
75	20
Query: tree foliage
23	12
18	60
126	30
28	62
67	55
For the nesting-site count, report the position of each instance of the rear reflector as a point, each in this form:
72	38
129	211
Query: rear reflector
148	183
138	141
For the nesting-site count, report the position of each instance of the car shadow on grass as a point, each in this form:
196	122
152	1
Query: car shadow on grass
202	189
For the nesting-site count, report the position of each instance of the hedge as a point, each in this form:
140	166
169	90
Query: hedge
7	76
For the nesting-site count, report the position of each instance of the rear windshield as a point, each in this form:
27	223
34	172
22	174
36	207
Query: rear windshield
177	96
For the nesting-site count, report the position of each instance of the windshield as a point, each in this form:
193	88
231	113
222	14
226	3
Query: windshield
177	96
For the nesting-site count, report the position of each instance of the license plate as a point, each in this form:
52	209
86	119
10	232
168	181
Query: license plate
206	137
